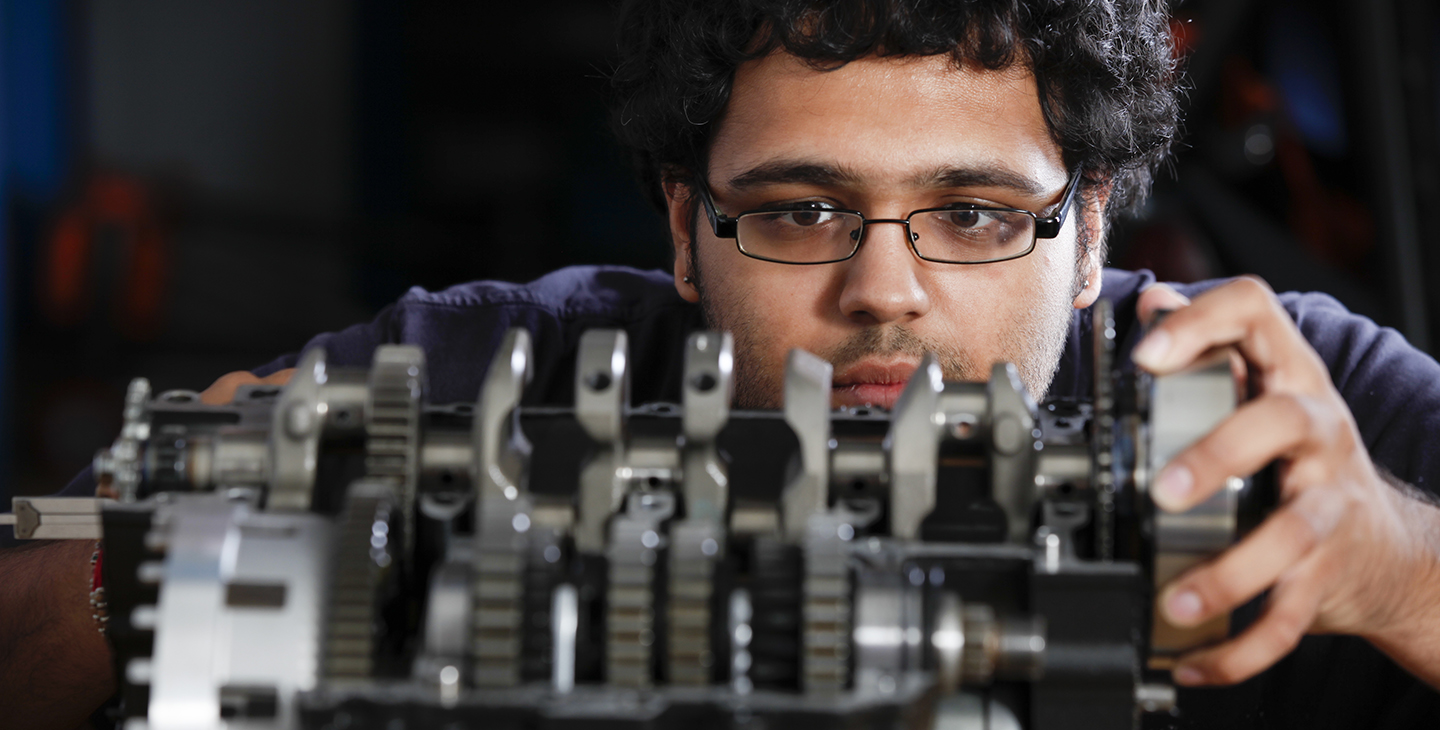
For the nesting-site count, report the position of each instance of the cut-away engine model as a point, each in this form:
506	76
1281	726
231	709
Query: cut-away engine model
340	553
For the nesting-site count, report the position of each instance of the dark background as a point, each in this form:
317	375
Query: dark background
189	188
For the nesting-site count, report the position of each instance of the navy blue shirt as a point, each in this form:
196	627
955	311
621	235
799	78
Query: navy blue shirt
1392	389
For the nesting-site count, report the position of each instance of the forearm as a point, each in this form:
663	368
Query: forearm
1412	635
54	664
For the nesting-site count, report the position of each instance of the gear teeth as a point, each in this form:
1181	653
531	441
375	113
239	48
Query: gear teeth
497	626
360	569
392	425
637	544
827	607
691	584
775	597
629	625
1103	425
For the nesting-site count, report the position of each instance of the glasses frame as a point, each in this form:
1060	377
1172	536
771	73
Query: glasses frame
1045	227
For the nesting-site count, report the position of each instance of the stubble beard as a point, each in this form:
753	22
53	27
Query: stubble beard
1033	340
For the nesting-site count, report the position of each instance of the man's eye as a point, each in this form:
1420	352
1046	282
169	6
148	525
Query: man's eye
807	217
969	220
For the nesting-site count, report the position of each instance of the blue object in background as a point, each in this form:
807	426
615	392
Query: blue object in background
35	154
36	98
1304	64
5	471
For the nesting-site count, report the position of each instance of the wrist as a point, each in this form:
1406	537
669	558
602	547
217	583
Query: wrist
1410	630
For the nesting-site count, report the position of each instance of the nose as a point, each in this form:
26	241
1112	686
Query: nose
882	282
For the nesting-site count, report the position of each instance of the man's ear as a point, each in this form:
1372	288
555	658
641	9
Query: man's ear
1092	217
680	204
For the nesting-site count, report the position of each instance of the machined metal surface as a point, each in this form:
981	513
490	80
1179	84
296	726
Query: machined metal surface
642	564
295	434
501	552
118	468
826	611
363	559
1013	437
565	620
889	625
1185	406
698	541
601	394
807	411
500	448
392	426
913	446
55	518
448	613
637	540
240	610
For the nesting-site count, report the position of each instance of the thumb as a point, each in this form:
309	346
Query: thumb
1159	298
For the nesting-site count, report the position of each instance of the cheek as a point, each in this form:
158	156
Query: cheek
781	298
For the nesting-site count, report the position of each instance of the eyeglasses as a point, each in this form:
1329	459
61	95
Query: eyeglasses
815	233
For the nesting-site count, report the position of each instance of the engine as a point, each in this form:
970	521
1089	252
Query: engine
340	553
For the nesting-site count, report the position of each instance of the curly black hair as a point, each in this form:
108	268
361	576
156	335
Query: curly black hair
1105	70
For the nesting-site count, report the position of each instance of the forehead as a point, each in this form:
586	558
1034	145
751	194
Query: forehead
887	118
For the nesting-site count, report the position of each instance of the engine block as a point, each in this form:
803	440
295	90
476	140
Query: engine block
339	553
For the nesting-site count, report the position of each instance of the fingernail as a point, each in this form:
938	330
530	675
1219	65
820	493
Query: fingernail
1173	486
1150	353
1183	606
1166	287
1188	675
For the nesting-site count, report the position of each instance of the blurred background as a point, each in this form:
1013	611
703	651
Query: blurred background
189	188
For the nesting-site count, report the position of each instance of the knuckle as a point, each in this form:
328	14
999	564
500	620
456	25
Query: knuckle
1322	418
1301	529
1314	418
1313	516
1290	625
1293	410
1254	290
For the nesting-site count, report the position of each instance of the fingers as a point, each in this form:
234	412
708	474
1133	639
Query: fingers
1242	572
1292	609
1158	298
1273	425
222	391
1244	313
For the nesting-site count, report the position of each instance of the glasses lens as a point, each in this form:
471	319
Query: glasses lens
972	235
799	236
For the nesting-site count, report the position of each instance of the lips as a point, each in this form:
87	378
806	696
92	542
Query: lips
871	383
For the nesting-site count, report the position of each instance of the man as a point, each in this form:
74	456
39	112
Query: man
868	182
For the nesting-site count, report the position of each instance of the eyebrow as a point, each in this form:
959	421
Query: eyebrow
979	177
780	172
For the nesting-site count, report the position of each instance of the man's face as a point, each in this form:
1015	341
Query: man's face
884	137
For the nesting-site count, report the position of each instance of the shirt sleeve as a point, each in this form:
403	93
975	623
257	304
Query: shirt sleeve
1392	388
352	346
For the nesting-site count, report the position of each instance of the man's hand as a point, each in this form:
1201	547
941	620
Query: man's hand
222	391
1344	552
